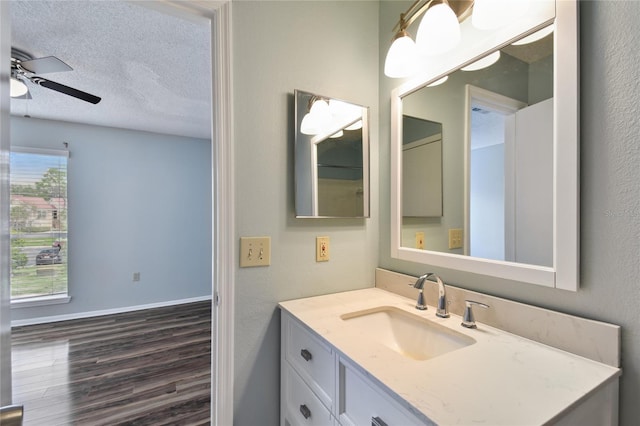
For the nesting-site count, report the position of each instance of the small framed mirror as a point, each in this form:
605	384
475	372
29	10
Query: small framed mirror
331	157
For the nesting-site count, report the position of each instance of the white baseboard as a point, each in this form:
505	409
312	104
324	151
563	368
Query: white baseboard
80	315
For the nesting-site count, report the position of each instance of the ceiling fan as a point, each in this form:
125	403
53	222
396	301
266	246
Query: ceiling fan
24	68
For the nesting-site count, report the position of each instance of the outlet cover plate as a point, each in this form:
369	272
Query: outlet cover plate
322	249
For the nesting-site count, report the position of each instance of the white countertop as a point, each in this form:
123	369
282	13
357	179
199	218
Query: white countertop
502	379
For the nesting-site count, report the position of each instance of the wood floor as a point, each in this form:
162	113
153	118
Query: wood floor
149	367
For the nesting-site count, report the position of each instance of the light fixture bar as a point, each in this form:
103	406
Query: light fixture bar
461	8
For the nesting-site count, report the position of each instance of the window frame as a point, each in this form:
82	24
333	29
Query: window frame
45	299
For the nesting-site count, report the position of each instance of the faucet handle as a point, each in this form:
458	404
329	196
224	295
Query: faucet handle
468	319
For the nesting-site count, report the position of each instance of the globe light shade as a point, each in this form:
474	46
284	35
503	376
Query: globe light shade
401	60
17	88
492	14
484	62
439	30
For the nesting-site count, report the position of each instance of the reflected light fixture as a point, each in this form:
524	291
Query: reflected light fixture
538	35
485	62
330	116
438	82
17	88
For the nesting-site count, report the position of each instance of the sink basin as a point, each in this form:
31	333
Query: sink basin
410	335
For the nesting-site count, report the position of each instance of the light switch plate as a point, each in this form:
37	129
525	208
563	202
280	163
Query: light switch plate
455	238
255	251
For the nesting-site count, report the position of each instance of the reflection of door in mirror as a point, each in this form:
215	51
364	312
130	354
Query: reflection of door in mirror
340	176
421	167
511	179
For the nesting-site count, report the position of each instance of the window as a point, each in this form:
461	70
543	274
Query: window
39	255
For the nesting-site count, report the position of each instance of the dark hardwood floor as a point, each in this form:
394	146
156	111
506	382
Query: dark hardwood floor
150	367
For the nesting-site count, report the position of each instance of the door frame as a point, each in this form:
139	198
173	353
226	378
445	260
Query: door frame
223	246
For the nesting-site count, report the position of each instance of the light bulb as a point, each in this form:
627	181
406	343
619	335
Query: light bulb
17	88
338	134
439	30
492	14
355	126
484	62
401	60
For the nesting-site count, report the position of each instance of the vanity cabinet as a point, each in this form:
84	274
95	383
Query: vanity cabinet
319	386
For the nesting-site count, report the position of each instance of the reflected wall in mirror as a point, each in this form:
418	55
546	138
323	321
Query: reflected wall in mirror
509	152
498	123
331	157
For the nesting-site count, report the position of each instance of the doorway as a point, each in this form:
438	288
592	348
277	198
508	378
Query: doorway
219	15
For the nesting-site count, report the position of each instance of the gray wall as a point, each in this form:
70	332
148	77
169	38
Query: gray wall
610	190
321	47
138	202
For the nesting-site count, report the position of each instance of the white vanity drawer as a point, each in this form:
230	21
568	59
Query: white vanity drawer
301	405
361	402
311	358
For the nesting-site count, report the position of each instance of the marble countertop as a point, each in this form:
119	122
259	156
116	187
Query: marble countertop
502	379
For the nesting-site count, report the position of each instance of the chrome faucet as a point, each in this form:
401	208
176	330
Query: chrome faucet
441	310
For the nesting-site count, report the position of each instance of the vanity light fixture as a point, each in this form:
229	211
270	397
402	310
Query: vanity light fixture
439	30
17	88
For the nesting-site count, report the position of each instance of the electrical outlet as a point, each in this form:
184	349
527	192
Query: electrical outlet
420	240
255	251
322	249
136	276
455	238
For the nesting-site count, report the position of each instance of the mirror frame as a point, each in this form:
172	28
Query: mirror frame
564	274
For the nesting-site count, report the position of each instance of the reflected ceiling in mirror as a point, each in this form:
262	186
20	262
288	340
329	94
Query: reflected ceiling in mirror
331	157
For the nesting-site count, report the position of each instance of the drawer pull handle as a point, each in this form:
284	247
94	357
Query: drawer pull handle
304	410
377	421
306	355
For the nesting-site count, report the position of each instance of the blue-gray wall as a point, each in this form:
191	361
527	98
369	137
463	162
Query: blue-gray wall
138	202
610	187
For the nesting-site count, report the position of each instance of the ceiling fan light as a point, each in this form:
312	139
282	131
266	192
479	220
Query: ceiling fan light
17	88
492	14
485	62
439	30
401	60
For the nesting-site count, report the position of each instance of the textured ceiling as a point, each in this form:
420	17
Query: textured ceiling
152	70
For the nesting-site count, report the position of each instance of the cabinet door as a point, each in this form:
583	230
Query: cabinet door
301	405
364	403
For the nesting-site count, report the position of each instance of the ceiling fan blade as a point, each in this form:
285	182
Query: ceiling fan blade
65	89
45	65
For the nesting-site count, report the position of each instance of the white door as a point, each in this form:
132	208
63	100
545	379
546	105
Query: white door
529	231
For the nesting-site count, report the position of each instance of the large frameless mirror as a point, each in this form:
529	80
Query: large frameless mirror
331	157
509	154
